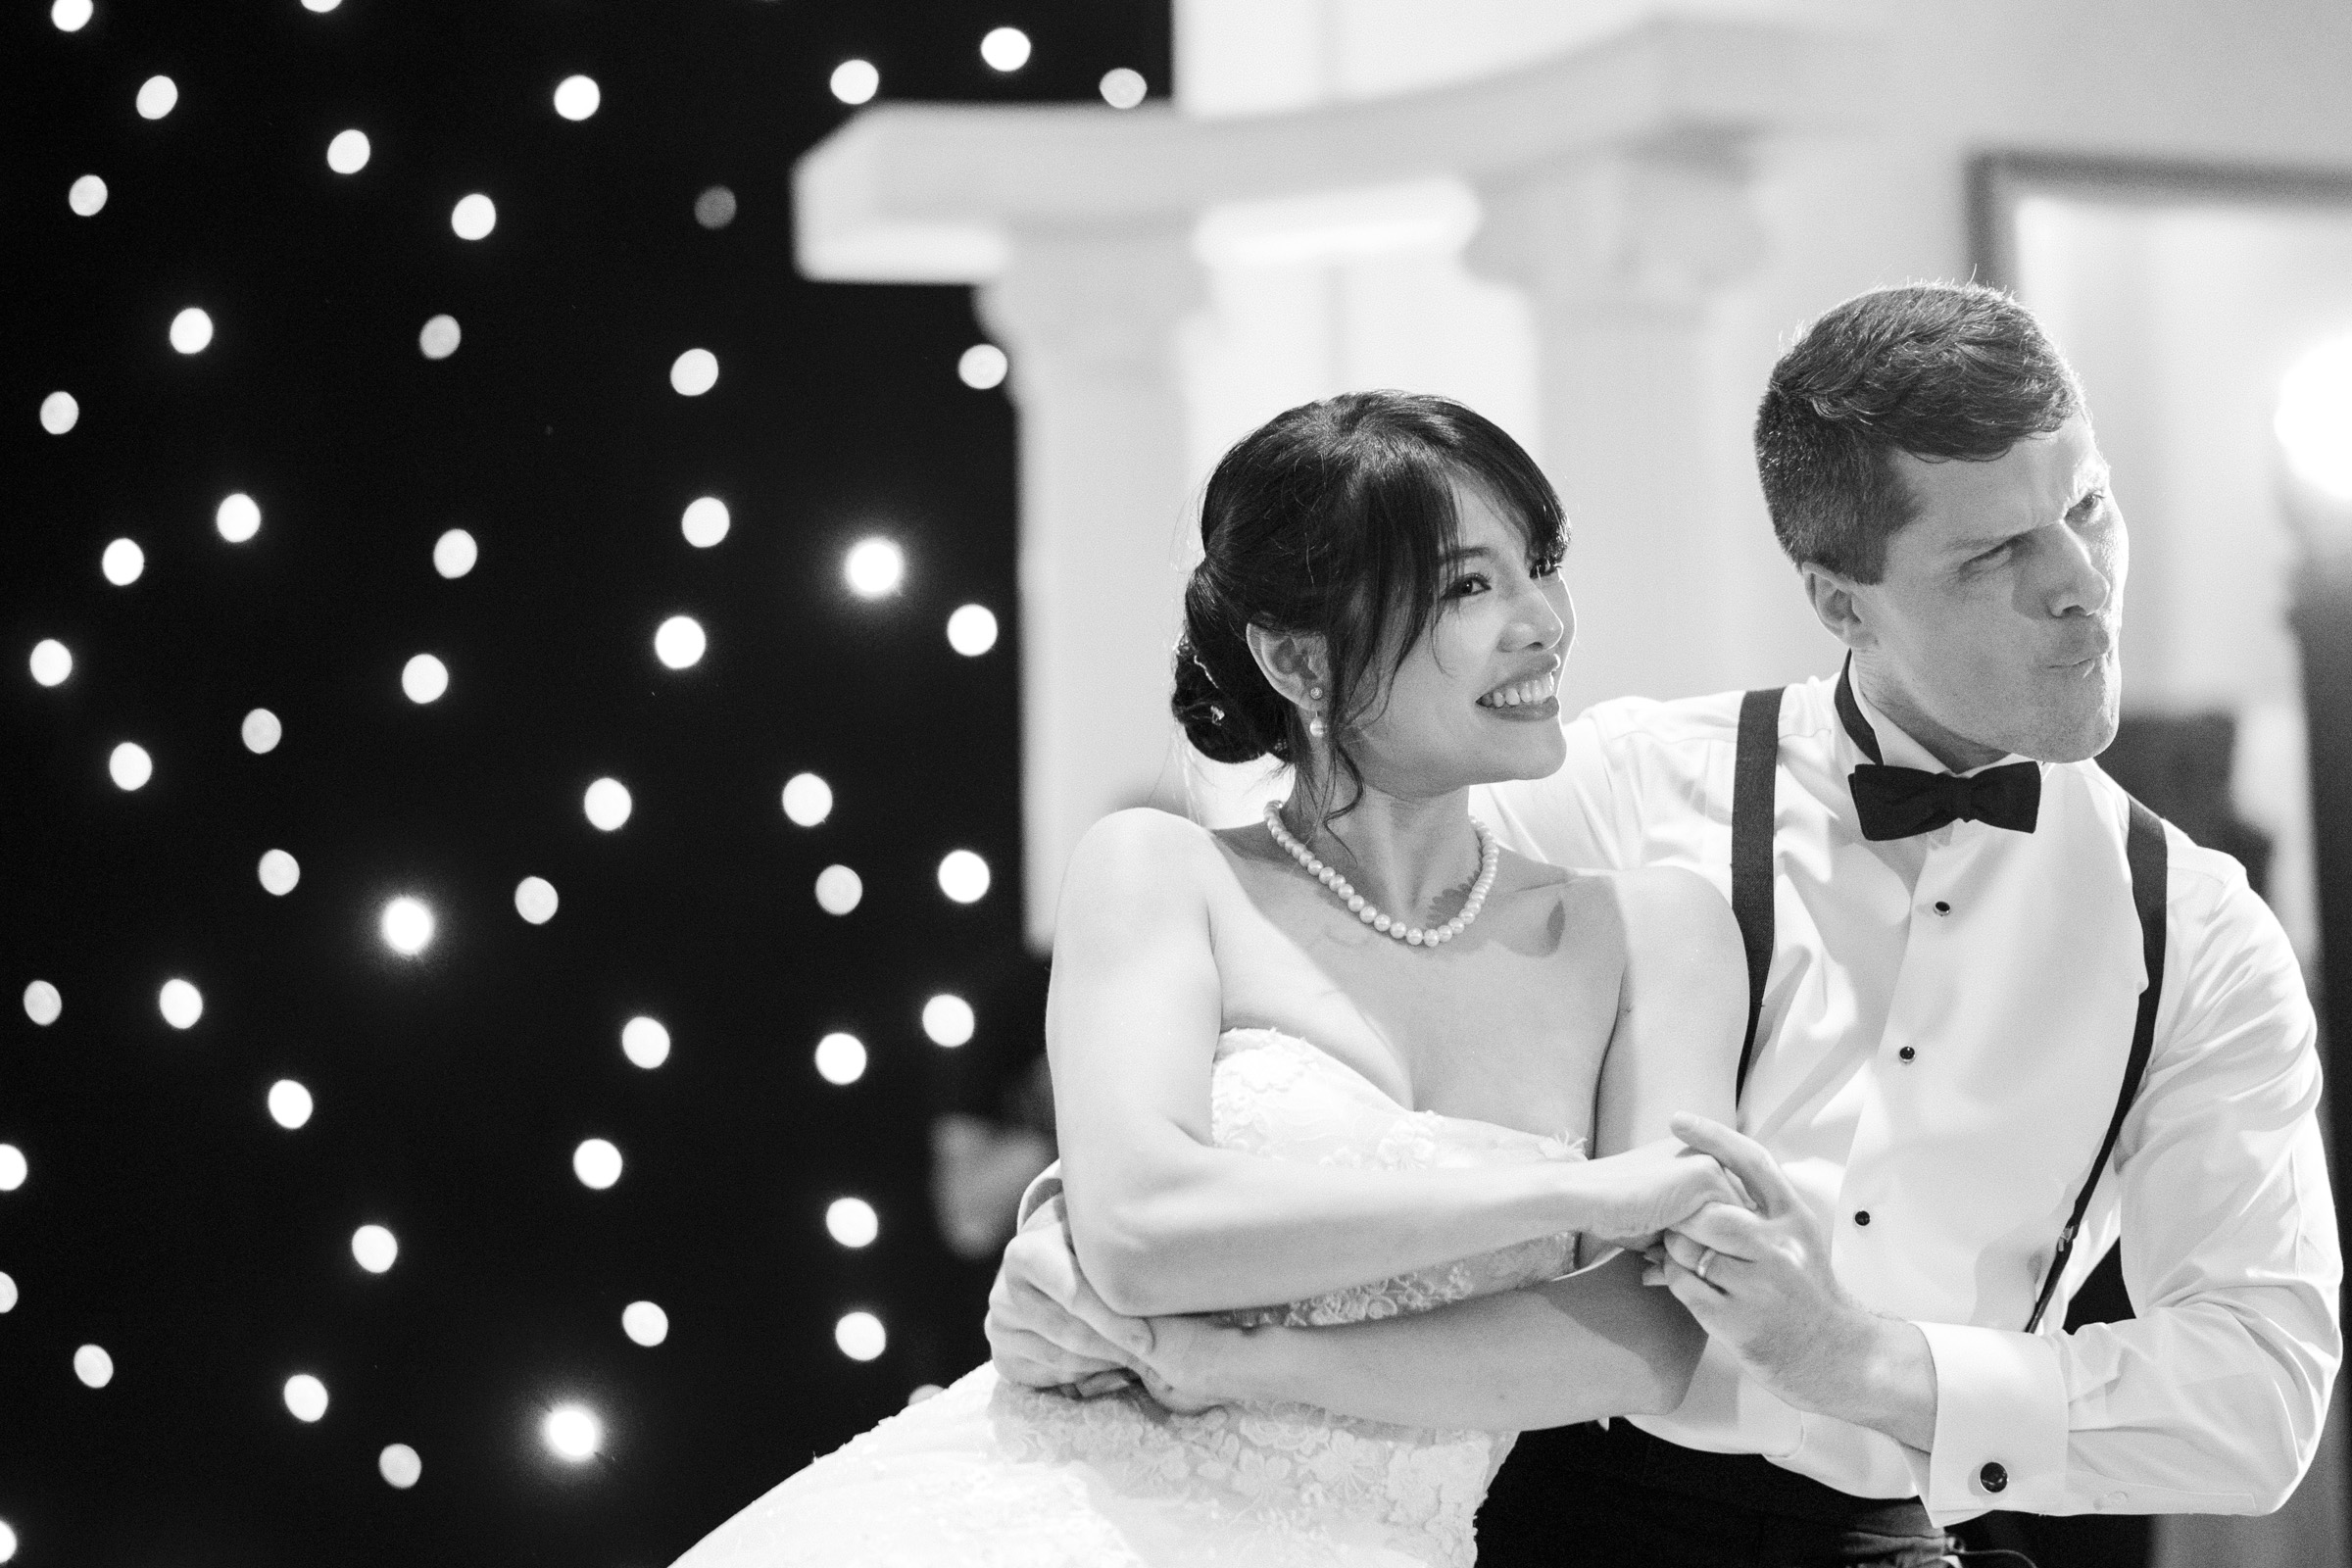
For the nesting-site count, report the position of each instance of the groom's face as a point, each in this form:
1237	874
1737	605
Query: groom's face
1994	626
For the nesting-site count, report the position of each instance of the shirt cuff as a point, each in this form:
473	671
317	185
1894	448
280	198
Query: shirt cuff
2001	1424
1042	1189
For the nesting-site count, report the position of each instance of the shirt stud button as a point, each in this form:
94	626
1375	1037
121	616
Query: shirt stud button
1995	1477
1861	1216
1942	908
1907	1053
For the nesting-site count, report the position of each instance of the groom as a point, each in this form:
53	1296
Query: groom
1999	1016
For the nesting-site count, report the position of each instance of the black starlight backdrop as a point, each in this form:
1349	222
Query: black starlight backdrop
404	431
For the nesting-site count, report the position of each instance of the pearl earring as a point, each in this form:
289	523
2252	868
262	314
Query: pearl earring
1315	727
1314	694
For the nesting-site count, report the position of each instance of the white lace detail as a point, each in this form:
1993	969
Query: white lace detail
1006	1477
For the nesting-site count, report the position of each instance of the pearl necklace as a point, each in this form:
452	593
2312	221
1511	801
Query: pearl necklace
1490	860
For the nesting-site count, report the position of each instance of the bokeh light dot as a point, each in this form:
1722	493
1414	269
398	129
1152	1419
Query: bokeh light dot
407	925
305	1396
260	731
860	1336
279	872
474	216
679	642
157	96
874	568
14	1167
573	1432
838	890
840	1058
964	876
8	1533
321	7
855	81
347	153
86	196
425	679
578	97
645	1323
608	803
191	330
948	1019
122	561
130	766
44	1004
597	1164
973	630
807	800
290	1104
715	208
7	1294
375	1248
400	1466
71	16
852	1221
982	367
439	337
1004	48
59	413
693	372
180	1004
238	518
94	1366
705	522
2314	422
52	661
535	899
1122	88
454	553
645	1041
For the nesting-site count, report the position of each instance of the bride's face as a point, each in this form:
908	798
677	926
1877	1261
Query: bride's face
1474	701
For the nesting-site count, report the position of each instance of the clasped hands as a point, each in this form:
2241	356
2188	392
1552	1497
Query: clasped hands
1717	1219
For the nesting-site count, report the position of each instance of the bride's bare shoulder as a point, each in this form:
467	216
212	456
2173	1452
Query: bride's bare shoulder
1143	850
1673	920
1659	912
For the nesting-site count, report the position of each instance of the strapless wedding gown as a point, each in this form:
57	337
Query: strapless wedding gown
990	1473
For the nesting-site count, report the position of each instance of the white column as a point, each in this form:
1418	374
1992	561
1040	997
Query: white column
1088	317
1622	254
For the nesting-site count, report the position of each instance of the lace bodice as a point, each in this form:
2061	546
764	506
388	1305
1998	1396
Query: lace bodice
1273	1093
1294	1481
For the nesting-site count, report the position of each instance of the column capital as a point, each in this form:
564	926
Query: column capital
1657	228
1103	296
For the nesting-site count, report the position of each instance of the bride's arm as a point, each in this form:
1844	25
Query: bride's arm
1591	1345
1162	1220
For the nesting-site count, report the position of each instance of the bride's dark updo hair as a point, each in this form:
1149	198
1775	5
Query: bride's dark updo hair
1336	519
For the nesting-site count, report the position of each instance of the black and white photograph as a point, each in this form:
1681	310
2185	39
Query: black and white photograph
1175	783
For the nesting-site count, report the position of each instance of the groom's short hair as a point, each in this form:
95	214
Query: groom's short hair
1940	371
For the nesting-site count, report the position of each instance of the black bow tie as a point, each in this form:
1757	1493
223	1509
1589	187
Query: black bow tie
1896	803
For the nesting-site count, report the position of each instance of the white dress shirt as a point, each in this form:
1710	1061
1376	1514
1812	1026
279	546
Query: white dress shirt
1943	1035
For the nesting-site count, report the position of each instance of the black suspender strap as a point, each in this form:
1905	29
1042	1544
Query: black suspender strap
1755	773
2145	853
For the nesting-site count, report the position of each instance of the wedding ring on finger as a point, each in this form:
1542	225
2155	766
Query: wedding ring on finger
1706	1255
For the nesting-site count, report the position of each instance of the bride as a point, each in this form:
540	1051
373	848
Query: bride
1348	1060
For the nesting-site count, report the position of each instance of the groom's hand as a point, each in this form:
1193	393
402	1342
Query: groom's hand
1035	1334
1759	1282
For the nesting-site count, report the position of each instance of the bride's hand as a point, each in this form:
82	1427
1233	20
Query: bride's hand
1628	1199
